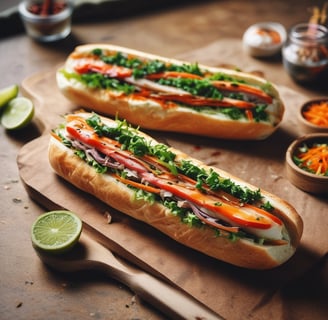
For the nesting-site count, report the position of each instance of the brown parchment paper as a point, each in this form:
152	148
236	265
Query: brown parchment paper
296	290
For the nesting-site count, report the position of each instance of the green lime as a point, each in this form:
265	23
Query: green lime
56	231
18	113
7	94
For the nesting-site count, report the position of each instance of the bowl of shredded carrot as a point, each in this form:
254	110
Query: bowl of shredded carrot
307	163
313	116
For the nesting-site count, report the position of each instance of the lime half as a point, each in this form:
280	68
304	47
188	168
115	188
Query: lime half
56	231
7	94
18	113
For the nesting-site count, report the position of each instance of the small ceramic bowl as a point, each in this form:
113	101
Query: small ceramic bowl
304	120
43	26
264	39
302	179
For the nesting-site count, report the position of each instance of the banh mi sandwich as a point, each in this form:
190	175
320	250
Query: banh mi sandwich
202	207
158	93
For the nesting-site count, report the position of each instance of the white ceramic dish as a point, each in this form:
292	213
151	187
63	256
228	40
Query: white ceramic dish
46	28
264	39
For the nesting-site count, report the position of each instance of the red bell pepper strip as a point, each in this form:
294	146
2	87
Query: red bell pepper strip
112	71
220	84
252	217
173	74
198	101
241	87
120	72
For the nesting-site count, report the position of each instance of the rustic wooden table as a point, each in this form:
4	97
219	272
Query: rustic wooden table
28	289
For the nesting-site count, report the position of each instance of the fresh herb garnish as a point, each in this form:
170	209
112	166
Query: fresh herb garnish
140	194
93	163
185	214
199	87
96	81
215	182
196	87
205	179
130	140
142	68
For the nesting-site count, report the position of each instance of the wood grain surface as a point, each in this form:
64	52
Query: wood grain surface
30	290
224	288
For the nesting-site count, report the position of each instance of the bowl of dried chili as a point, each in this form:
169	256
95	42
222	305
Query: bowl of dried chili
46	20
313	116
307	163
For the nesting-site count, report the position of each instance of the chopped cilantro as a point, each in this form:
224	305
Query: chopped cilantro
198	87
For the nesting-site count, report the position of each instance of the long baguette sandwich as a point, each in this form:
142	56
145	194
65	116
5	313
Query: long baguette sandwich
158	93
202	207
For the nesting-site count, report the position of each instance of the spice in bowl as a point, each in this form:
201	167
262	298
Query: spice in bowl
47	20
264	39
46	8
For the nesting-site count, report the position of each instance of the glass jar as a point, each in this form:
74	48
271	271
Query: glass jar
305	53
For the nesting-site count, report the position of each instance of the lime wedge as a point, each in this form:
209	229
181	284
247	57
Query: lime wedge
8	93
18	113
56	232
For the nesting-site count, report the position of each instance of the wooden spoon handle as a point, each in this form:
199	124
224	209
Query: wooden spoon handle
169	299
164	296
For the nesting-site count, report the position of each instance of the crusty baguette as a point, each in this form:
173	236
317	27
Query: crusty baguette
243	253
150	114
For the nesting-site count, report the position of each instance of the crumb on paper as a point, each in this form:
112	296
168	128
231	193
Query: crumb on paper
17	200
212	163
108	217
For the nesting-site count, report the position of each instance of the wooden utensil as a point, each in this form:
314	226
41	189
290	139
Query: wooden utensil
89	254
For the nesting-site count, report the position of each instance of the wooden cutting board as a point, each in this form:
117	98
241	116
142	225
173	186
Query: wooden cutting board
233	292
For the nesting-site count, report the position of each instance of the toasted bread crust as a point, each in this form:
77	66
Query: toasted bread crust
242	252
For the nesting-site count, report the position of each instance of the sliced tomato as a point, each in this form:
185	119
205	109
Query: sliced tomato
233	213
80	130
